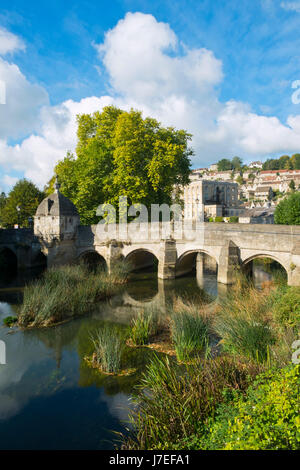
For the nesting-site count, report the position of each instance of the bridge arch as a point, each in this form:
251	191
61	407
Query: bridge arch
190	261
92	259
142	258
247	265
8	259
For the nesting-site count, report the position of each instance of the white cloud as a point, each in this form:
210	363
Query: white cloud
292	6
151	71
20	113
9	42
37	154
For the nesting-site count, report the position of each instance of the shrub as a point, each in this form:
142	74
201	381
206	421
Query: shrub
189	333
10	321
219	219
286	309
269	419
108	350
233	219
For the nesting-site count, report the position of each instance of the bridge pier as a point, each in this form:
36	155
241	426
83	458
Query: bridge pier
228	263
167	260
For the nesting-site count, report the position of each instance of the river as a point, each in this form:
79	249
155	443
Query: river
49	398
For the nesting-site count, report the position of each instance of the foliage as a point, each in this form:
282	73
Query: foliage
108	349
24	195
219	219
179	401
283	163
63	293
287	212
10	321
121	154
269	419
233	219
286	309
225	164
189	332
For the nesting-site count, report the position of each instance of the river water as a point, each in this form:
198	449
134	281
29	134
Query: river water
49	398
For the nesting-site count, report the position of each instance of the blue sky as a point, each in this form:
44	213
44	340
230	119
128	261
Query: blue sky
253	54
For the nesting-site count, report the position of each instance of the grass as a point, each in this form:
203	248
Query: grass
244	322
145	325
108	350
189	332
175	402
65	292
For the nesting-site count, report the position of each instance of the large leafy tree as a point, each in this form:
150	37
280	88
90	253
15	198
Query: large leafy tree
288	210
24	195
121	154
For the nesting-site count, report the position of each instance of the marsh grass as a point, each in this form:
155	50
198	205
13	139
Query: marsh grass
108	348
174	402
146	324
66	292
189	332
244	322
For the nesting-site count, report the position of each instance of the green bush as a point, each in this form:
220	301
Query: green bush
269	419
219	219
233	219
286	309
10	321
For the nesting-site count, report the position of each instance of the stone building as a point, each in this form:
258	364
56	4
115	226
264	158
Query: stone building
55	224
215	197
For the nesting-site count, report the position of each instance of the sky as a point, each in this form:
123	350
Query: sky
227	72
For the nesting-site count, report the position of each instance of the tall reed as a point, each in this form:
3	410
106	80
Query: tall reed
190	333
108	350
65	292
175	402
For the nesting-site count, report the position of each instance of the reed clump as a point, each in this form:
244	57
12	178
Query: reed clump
245	325
175	402
108	348
65	292
145	325
189	332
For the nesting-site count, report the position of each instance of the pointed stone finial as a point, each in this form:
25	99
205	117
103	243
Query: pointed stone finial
56	185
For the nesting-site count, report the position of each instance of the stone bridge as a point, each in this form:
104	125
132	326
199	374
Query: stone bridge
20	249
230	245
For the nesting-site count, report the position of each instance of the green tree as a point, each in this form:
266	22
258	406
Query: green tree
285	163
121	154
224	165
240	180
288	210
236	163
295	159
292	185
24	195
